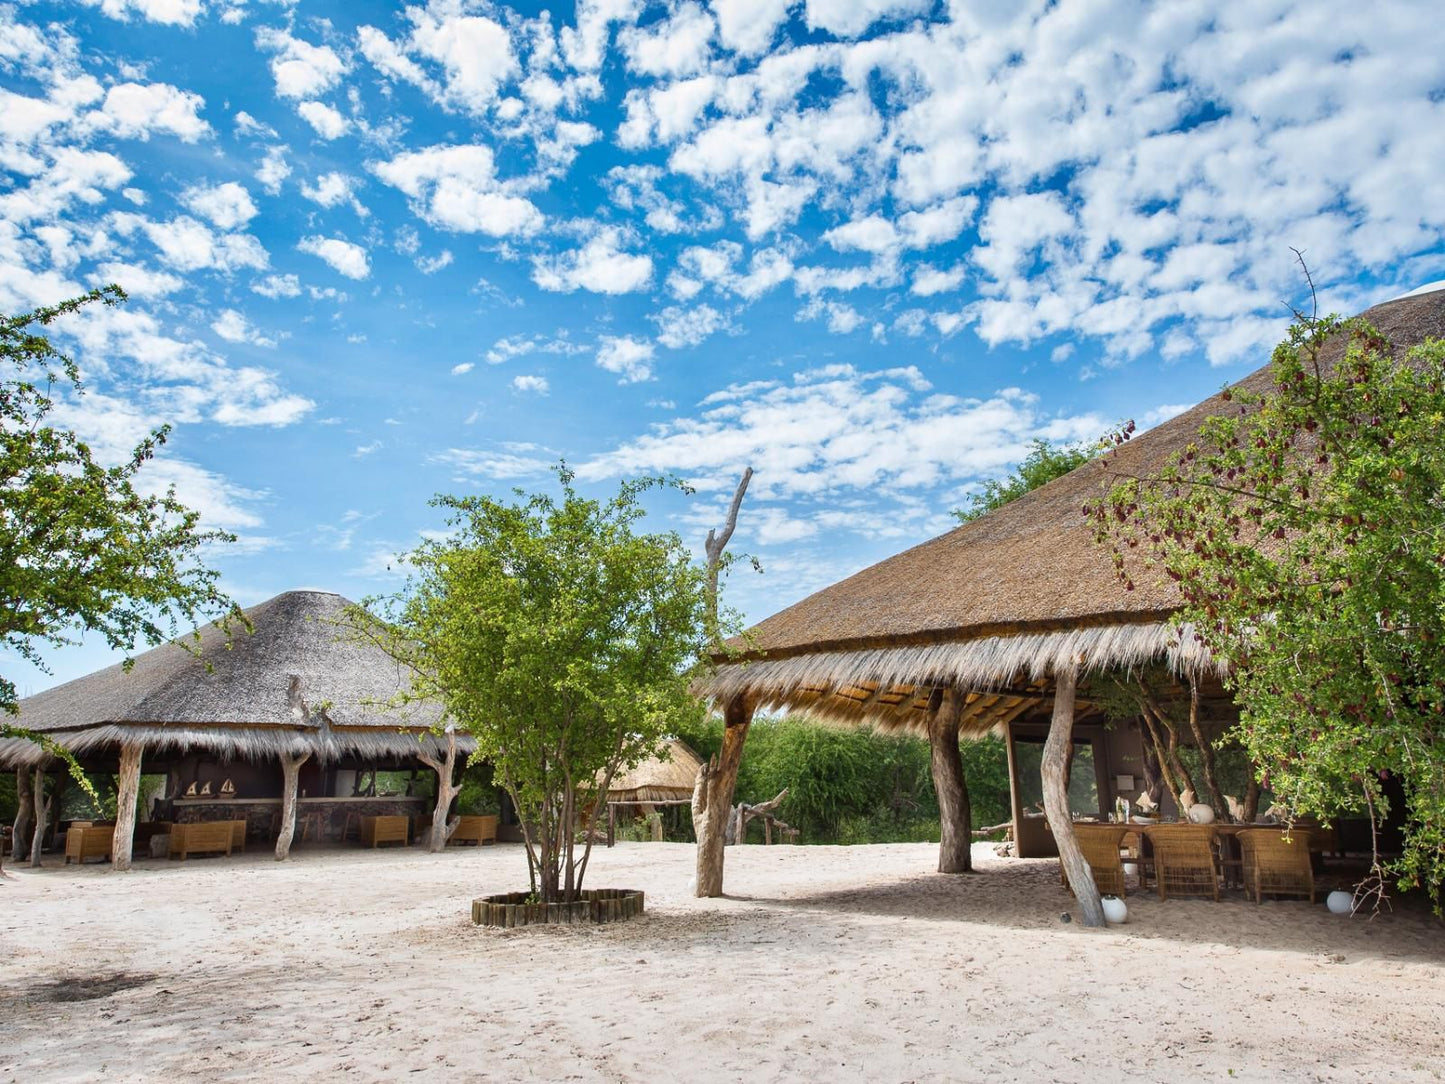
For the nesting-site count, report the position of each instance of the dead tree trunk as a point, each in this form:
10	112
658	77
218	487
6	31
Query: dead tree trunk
955	823
1056	798
441	829
744	814
1153	776
291	773
42	816
125	802
712	797
20	835
714	547
1251	797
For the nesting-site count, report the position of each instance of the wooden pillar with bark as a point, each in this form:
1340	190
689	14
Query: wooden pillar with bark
1056	797
712	796
42	815
954	817
445	767
125	802
20	831
291	777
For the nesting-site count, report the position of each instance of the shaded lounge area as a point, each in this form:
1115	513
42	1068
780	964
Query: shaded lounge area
284	732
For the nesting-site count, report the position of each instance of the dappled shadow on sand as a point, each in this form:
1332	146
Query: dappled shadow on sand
1028	895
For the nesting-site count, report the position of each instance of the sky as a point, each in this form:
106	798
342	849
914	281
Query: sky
870	248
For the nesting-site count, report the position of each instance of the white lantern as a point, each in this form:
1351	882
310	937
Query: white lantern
1131	869
1114	910
1340	903
1200	813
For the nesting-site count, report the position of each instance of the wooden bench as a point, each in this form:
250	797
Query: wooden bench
89	842
212	837
378	830
475	830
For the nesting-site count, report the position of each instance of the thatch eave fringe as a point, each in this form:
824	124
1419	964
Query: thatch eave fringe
815	682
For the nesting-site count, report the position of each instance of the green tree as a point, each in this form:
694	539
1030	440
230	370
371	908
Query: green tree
560	637
1304	530
1045	462
81	549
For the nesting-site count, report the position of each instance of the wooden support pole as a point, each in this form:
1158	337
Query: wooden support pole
20	834
712	797
42	816
956	835
441	829
1056	798
125	801
291	775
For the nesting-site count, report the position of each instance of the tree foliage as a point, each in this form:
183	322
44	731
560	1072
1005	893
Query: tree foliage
1304	529
82	550
559	636
1045	462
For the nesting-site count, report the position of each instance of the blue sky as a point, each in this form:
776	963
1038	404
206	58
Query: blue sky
871	248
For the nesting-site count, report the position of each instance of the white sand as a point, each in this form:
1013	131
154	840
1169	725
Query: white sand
829	963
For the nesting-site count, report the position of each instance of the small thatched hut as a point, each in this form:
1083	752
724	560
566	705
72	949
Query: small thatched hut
295	709
667	777
990	626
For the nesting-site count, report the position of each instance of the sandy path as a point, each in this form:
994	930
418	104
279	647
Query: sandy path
833	963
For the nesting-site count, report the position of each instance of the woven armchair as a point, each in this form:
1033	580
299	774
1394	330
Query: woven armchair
1100	845
1277	863
1184	860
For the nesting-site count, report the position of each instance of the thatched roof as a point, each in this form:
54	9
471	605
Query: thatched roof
234	698
666	777
998	603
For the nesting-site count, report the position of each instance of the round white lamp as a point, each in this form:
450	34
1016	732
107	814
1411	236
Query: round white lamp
1114	910
1200	813
1340	903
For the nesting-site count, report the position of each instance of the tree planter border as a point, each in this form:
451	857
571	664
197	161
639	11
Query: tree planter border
597	905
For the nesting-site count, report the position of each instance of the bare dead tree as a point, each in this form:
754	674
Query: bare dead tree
716	545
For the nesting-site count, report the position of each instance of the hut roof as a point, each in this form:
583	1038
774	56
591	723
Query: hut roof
996	603
234	695
669	775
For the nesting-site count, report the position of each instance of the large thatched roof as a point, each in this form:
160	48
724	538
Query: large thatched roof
235	697
997	603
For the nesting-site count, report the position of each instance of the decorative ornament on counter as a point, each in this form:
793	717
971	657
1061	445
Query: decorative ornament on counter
1145	803
190	791
206	790
228	789
1199	813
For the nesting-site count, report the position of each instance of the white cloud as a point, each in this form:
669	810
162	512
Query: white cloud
517	346
276	286
226	205
166	12
328	121
137	280
749	26
599	266
135	110
188	245
678	327
329	190
533	385
273	170
513	461
249	126
456	188
463	368
430	265
232	326
344	257
475	52
674	47
630	358
301	70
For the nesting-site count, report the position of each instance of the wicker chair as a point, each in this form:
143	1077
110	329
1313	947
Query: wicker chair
90	841
1277	863
1184	860
1100	845
475	829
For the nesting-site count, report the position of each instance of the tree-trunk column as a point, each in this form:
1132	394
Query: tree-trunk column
291	776
20	836
1056	798
446	770
956	828
42	814
125	801
712	797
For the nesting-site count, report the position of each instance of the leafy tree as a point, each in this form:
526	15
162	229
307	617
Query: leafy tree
1045	462
81	549
560	638
1304	530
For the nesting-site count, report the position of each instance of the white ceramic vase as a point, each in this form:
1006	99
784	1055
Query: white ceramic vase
1199	813
1340	903
1115	912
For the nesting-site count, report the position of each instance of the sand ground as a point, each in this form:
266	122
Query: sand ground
826	963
